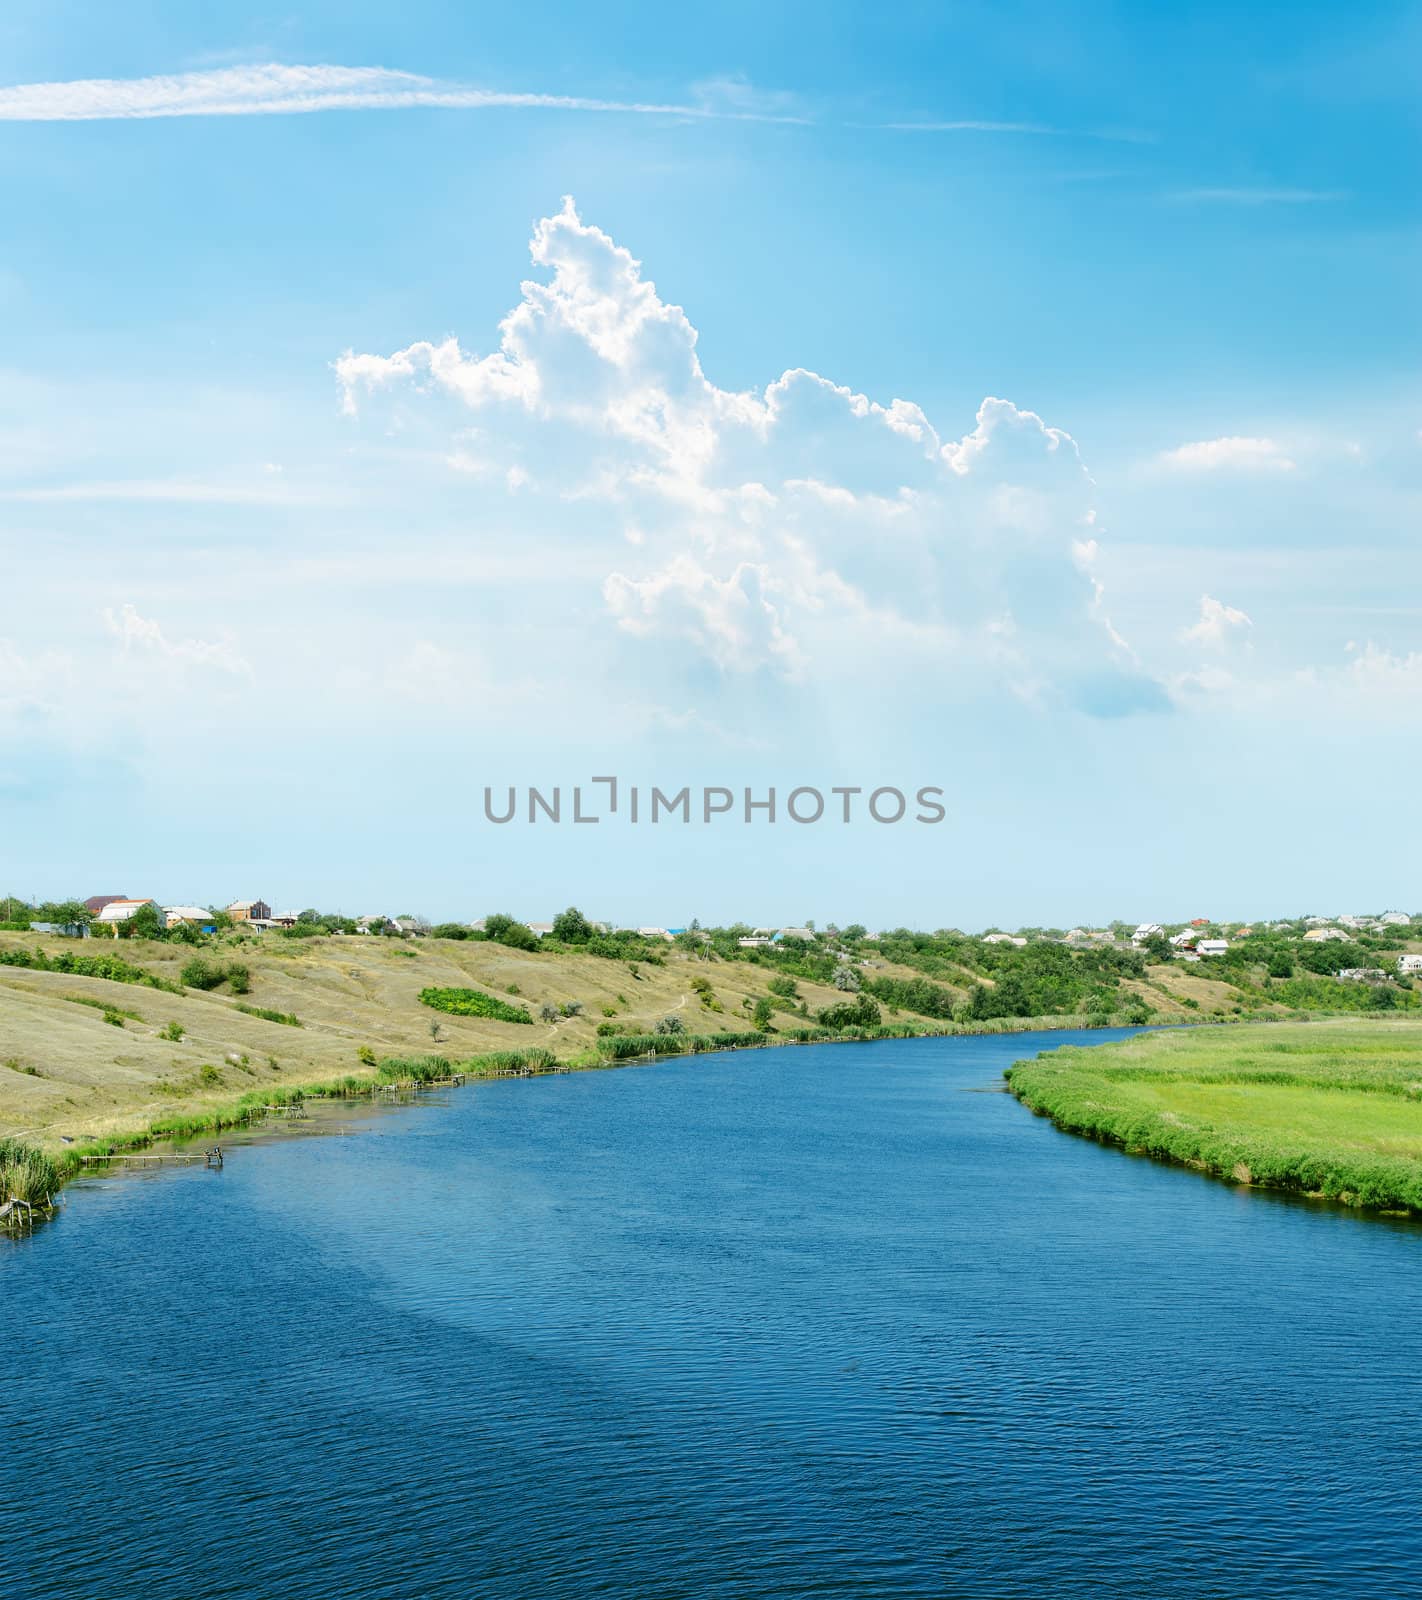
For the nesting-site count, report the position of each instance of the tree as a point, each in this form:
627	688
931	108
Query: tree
846	979
145	923
572	927
66	913
1280	965
764	1011
548	1012
669	1025
504	929
860	1013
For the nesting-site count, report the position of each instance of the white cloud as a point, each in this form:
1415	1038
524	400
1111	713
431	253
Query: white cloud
177	491
793	528
271	89
733	622
141	639
1231	454
1217	623
1380	673
1257	196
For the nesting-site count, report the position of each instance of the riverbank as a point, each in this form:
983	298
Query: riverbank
103	1039
33	1175
1329	1109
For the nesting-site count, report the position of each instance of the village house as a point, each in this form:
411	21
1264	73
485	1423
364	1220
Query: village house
807	934
1184	940
1395	919
118	911
62	930
1363	974
249	911
1147	930
1317	935
1003	938
96	902
1211	947
196	916
1409	963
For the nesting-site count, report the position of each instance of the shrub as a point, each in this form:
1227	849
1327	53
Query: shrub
473	1003
846	979
173	1032
548	1012
200	974
669	1025
286	1018
239	979
860	1013
913	994
114	968
504	929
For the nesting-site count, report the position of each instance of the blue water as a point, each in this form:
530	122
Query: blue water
814	1322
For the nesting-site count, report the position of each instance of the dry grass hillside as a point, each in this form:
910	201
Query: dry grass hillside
67	1072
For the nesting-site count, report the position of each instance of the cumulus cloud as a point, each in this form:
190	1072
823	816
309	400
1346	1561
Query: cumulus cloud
139	638
733	622
1217	623
1232	454
797	529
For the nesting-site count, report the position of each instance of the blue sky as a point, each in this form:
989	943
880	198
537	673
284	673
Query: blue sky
346	468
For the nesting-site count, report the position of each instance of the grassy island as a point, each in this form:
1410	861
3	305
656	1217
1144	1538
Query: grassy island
1327	1108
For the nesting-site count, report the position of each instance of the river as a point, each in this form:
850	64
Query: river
824	1321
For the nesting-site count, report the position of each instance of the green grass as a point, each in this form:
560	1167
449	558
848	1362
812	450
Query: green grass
286	1018
114	968
1327	1108
474	1003
106	1006
26	1173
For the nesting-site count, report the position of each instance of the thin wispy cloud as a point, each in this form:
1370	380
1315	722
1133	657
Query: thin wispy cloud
172	491
273	90
1258	197
1042	129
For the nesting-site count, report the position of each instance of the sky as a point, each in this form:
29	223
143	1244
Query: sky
1017	400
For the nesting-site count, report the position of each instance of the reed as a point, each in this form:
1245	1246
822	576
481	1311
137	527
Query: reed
27	1174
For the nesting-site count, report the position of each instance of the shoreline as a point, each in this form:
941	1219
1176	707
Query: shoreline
1085	1100
406	1075
395	1076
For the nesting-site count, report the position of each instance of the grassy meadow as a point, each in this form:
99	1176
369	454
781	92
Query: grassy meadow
1329	1107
